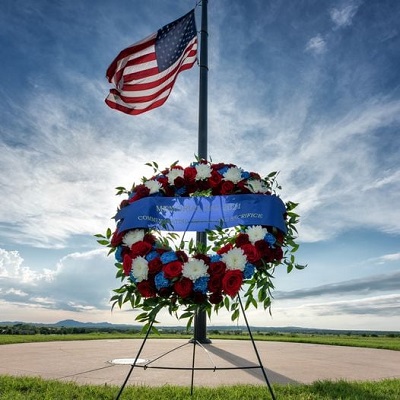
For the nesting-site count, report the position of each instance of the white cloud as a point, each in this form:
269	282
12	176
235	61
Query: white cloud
316	44
343	16
386	258
79	281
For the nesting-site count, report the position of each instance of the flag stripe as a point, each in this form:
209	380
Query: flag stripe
141	98
140	83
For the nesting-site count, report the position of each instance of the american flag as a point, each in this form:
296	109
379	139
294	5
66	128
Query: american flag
145	73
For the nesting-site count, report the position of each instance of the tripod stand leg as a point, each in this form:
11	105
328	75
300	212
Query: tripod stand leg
137	357
256	351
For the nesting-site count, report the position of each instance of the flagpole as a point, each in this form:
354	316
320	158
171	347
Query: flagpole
200	322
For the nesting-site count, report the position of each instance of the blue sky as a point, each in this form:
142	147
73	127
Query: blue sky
311	89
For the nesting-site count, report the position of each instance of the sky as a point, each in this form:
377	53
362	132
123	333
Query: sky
310	89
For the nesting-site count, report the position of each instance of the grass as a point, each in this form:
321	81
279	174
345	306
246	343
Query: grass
28	388
376	342
13	388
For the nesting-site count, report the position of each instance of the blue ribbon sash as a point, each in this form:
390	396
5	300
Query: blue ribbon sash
199	214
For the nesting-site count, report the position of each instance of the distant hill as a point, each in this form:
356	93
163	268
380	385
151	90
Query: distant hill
70	323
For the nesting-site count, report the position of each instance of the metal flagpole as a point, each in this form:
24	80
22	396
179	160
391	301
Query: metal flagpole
200	323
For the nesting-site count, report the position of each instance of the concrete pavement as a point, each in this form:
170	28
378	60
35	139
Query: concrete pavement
169	361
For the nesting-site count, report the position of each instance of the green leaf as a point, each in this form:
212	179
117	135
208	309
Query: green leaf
235	315
186	315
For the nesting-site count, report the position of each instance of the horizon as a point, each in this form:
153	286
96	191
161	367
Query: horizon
209	327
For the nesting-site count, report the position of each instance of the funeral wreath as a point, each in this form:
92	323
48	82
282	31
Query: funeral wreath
159	268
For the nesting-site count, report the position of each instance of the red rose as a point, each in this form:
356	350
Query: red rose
182	256
140	192
227	187
163	180
215	283
172	269
169	191
215	298
127	264
251	252
203	185
179	182
116	238
203	257
215	179
278	253
184	287
241	239
149	238
216	268
254	175
155	266
140	249
189	174
124	203
199	297
218	166
242	187
232	282
146	289
225	249
191	187
165	292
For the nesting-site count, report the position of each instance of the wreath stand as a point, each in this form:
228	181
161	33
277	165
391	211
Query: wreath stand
193	368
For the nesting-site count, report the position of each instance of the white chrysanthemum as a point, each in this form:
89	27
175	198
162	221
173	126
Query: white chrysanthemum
234	174
235	259
140	269
173	174
256	233
257	186
153	186
194	269
133	236
203	171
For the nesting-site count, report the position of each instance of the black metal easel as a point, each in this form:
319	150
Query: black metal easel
193	368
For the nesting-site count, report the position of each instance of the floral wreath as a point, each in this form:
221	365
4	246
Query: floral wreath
158	273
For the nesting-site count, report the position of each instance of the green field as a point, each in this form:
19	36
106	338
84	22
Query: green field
389	342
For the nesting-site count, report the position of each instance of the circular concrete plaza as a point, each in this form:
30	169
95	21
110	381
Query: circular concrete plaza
223	362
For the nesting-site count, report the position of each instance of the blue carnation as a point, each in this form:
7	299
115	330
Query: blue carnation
215	258
245	175
161	281
201	284
223	170
248	271
168	257
151	256
181	191
118	254
270	239
132	278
